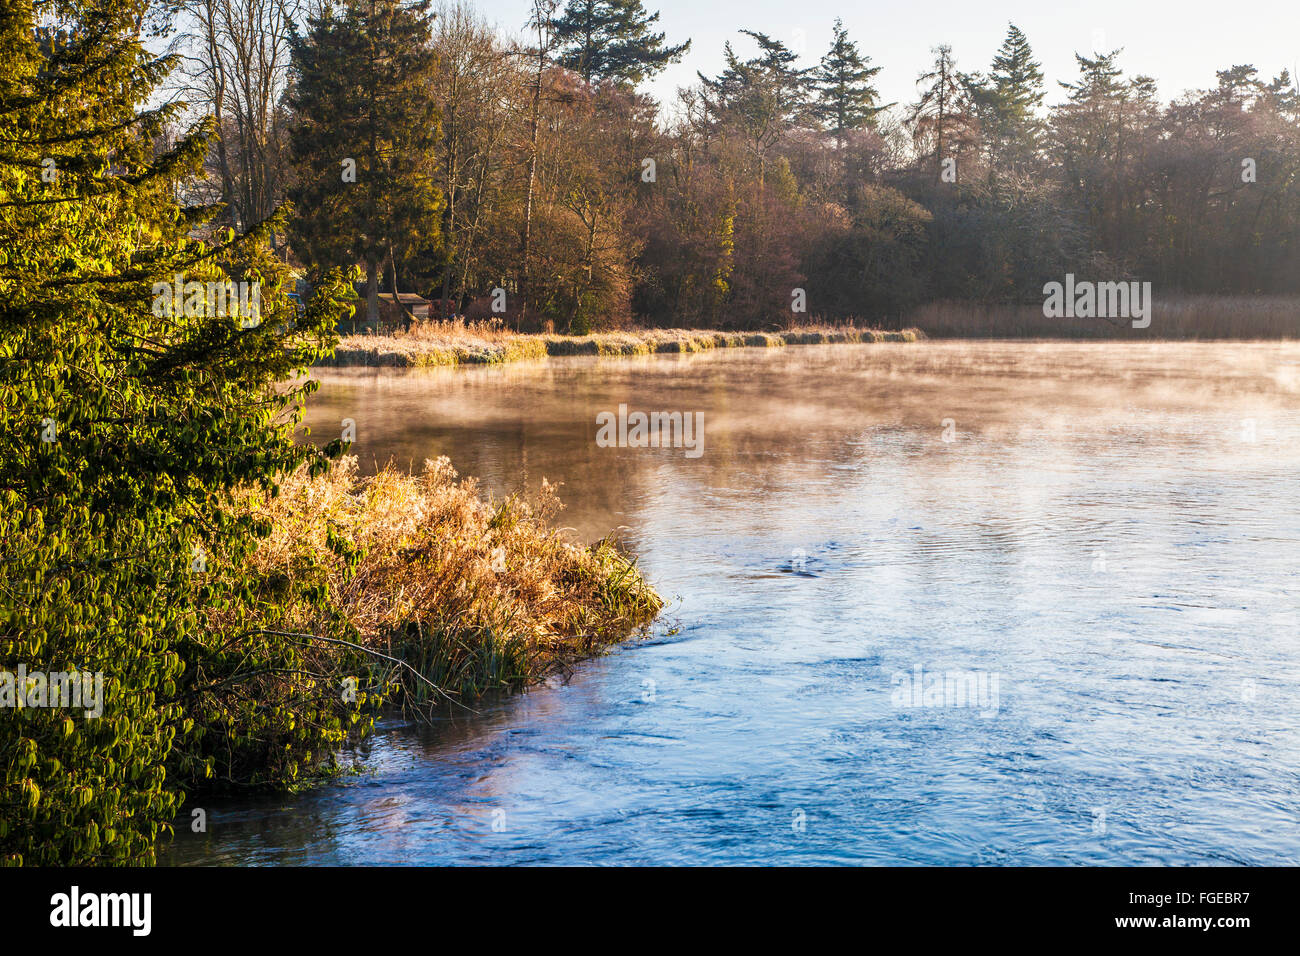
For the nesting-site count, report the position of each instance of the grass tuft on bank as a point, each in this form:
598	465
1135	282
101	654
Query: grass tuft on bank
469	593
458	342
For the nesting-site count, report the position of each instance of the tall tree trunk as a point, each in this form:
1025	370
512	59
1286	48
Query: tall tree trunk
217	67
392	287
449	221
532	179
543	14
372	293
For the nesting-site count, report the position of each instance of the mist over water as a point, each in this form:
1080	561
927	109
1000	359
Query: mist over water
1105	533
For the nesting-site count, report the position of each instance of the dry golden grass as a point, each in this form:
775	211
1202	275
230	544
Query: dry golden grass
473	594
457	342
452	342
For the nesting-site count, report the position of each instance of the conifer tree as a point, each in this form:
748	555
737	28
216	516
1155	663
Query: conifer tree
941	119
613	40
763	97
846	99
365	138
1016	92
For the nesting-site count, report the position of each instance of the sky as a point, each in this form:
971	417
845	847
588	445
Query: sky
1181	44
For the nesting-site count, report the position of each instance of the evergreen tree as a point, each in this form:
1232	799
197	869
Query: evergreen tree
613	40
763	97
846	100
1282	97
365	138
1098	135
1016	91
1100	79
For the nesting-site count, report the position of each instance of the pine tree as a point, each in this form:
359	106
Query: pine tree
1098	133
1016	92
1100	78
612	40
762	97
365	138
846	100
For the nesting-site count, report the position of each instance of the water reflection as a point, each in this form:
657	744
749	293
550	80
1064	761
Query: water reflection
1109	528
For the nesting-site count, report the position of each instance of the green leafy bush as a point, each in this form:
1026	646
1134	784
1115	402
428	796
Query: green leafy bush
130	433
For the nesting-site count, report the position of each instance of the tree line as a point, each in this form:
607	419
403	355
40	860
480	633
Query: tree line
448	159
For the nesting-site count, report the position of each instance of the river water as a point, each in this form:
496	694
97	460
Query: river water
932	603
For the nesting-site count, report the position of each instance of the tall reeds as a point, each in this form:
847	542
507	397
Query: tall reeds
1192	317
471	594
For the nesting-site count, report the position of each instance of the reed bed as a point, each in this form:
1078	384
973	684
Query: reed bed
457	342
473	594
1185	318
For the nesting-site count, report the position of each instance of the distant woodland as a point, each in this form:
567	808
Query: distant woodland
443	157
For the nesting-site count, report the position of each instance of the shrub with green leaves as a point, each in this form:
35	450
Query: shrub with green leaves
129	437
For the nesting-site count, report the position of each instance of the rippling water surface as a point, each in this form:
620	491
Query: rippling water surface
1096	543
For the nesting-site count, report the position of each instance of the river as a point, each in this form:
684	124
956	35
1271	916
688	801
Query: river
932	603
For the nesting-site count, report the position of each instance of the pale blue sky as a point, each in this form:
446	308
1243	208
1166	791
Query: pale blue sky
1181	44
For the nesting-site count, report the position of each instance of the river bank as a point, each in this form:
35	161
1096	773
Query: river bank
1177	318
485	343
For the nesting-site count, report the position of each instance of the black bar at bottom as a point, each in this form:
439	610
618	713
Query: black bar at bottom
337	906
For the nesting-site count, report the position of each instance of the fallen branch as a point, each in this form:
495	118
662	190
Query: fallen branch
365	650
